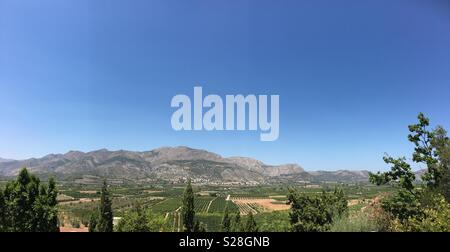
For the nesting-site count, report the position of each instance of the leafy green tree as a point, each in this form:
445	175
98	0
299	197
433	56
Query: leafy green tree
134	221
400	175
436	217
442	144
409	203
405	203
139	219
339	201
276	221
187	209
430	148
226	221
105	222
310	213
424	151
27	206
250	225
156	222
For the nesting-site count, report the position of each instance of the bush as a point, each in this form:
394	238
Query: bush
277	221
435	218
359	222
315	213
141	220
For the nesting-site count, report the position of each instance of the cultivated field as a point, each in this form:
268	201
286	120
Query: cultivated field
259	204
267	203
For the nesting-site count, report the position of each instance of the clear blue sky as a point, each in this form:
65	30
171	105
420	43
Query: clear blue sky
84	75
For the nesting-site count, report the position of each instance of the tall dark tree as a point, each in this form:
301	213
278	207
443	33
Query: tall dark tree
250	225
226	221
53	202
187	209
105	222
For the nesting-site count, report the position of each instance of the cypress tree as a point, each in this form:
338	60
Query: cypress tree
226	221
52	202
187	209
105	222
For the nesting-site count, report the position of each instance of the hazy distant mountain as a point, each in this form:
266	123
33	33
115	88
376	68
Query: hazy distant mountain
169	164
340	176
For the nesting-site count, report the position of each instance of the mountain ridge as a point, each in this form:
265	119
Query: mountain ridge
172	164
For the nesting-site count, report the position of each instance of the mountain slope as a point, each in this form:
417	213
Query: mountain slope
172	164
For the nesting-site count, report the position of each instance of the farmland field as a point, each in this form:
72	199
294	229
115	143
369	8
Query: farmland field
259	204
267	203
219	205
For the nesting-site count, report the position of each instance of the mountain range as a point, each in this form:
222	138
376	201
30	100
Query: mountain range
171	164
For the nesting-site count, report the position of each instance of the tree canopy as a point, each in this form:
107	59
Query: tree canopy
419	206
102	219
27	205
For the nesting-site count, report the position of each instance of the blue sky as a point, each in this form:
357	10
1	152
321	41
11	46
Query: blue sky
84	75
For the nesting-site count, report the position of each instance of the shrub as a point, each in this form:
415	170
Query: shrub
358	222
315	213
